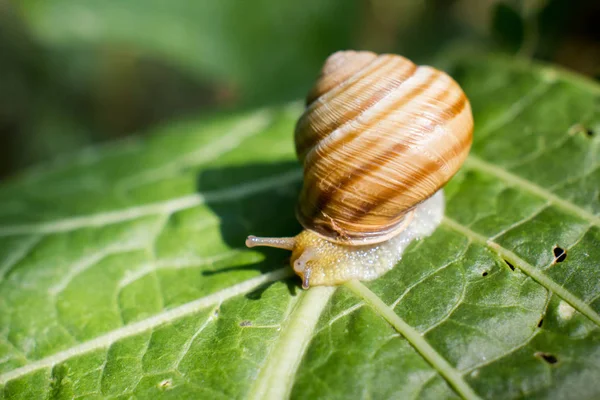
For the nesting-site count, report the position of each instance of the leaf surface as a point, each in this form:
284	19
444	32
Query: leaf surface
123	272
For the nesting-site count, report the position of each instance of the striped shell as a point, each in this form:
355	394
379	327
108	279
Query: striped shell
379	136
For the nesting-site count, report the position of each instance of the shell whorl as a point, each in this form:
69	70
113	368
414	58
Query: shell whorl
379	136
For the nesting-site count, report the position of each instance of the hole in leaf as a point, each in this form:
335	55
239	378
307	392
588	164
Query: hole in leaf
549	358
581	128
589	132
512	267
560	254
485	273
540	323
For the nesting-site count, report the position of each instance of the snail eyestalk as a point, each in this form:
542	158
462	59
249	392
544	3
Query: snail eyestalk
285	243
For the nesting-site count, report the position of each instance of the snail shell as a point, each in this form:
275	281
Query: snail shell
379	137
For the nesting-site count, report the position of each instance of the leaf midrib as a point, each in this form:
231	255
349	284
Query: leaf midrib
276	377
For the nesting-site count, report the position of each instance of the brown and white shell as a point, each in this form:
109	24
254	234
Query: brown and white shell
379	136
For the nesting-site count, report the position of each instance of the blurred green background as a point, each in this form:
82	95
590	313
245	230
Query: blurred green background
78	72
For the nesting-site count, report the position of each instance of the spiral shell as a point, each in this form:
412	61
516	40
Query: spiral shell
379	136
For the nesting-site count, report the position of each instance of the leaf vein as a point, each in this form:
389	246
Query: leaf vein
533	215
476	163
451	311
17	255
516	109
166	207
419	343
515	348
533	272
147	324
427	276
252	125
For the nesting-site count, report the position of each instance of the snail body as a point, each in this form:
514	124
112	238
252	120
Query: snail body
379	138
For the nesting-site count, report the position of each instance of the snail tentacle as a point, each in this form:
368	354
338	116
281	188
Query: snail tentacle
285	243
302	268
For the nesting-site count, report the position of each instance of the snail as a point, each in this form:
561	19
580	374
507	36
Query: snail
379	138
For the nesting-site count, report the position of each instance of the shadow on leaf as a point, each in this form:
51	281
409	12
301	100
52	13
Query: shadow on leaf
259	209
293	285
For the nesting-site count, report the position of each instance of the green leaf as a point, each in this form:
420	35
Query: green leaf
123	271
